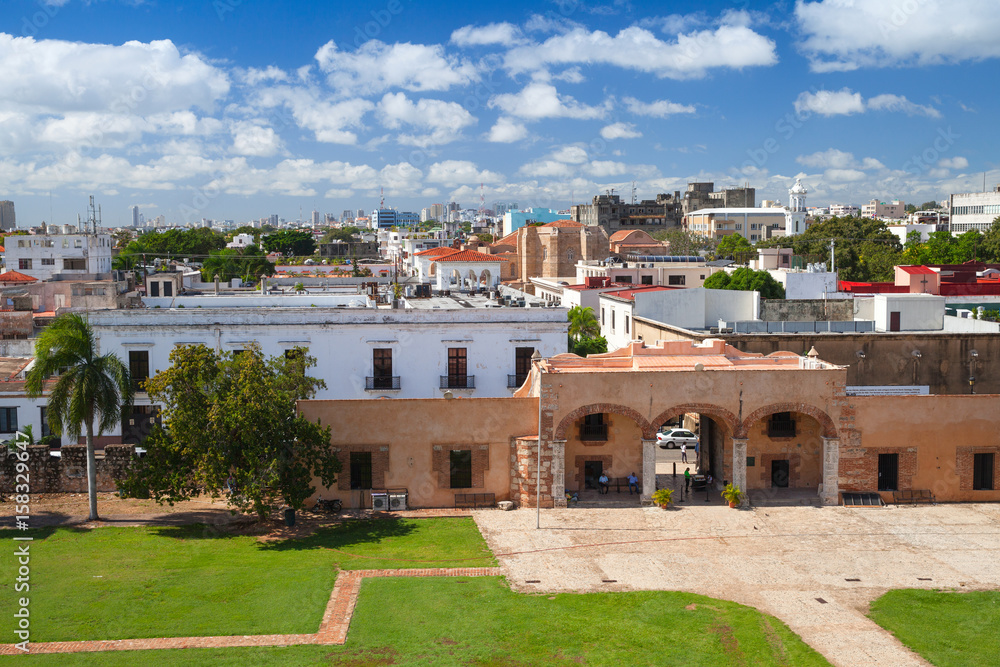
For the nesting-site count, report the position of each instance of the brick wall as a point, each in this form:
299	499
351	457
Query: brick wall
859	467
964	462
442	464
380	464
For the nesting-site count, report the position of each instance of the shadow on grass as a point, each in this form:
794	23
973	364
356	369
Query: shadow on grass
360	531
7	532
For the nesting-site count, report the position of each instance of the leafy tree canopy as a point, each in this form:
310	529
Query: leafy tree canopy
248	264
174	244
732	246
290	242
685	243
255	232
748	280
345	234
588	345
864	249
230	425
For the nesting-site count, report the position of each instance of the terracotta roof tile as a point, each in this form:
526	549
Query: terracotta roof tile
15	277
917	270
435	252
470	256
563	223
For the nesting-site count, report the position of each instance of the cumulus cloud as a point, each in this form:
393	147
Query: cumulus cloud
837	159
889	102
830	102
841	36
457	172
570	154
442	121
540	100
376	67
506	130
844	175
55	77
329	121
953	163
546	169
845	102
493	33
691	55
251	138
657	109
620	131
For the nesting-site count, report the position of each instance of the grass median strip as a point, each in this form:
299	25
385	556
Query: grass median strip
946	627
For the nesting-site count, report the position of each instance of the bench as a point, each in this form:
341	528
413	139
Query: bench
622	483
475	500
913	496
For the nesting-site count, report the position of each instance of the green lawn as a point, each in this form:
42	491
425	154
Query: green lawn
465	621
120	583
945	627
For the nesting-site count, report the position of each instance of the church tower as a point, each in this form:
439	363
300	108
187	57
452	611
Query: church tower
797	197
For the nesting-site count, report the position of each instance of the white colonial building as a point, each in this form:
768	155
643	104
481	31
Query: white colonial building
44	256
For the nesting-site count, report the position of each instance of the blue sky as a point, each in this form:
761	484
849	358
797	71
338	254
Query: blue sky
236	109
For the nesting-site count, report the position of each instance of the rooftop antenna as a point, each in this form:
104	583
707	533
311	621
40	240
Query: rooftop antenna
482	201
633	192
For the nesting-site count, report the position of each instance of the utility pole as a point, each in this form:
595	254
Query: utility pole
832	266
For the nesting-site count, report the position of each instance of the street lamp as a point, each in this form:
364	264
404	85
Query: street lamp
972	384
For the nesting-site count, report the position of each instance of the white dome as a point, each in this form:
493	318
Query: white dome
798	188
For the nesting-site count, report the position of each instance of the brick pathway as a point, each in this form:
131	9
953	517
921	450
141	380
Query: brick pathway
332	630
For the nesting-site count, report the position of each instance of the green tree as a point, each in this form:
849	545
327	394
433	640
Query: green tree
582	322
245	229
290	242
345	234
748	280
174	244
590	345
230	423
245	263
685	243
733	246
91	390
991	242
929	206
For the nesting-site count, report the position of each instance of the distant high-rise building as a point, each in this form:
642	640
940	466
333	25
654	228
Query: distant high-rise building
134	210
501	207
347	216
7	220
315	219
273	220
361	213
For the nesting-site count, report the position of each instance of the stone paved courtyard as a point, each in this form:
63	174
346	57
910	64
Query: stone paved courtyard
815	568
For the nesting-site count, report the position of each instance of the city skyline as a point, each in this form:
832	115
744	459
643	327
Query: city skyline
237	110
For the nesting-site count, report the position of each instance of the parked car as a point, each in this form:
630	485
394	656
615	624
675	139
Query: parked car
672	438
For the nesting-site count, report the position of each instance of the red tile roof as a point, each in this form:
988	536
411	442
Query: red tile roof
470	256
2	249
620	234
563	223
918	270
434	252
15	277
629	294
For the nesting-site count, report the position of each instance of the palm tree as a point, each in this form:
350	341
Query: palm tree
582	323
91	389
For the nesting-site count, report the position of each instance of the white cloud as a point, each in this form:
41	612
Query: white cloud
844	175
457	172
546	169
250	138
954	163
541	100
889	102
838	160
507	130
255	76
606	168
845	102
376	67
570	154
400	179
840	36
493	33
330	122
830	102
620	131
56	77
657	109
444	121
689	56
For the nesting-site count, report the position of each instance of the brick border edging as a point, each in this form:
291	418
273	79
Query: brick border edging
332	630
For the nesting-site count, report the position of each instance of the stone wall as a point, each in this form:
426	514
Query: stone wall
66	473
807	310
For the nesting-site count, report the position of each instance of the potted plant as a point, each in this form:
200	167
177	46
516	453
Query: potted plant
664	498
732	494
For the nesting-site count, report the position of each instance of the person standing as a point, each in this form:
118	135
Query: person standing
687	479
684	453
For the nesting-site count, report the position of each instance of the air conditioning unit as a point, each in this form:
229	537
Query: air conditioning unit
397	501
380	502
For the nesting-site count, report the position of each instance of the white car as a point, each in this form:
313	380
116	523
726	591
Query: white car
675	437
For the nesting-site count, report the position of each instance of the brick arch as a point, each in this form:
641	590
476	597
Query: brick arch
708	409
825	422
594	408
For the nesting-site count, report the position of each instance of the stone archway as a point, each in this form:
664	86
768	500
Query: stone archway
727	417
829	430
595	408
